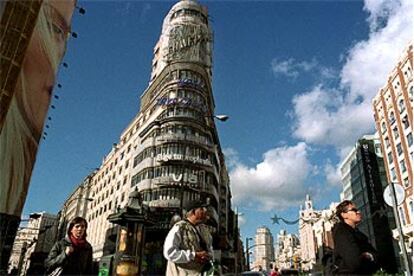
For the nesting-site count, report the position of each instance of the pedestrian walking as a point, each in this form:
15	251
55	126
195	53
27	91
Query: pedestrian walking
73	254
353	254
186	249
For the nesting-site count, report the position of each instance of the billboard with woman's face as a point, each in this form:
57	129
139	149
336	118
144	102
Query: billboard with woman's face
22	126
33	41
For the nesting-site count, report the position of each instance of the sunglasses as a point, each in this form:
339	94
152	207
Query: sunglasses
353	210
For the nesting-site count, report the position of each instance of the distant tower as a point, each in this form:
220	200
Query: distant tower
306	235
264	253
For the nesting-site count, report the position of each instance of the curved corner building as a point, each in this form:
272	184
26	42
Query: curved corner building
170	151
180	156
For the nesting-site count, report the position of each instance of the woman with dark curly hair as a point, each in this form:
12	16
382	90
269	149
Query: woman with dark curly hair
73	254
353	254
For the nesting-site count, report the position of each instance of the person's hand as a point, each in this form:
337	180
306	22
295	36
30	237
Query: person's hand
68	250
201	257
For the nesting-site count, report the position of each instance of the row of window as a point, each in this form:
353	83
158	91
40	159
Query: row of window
170	194
201	176
182	112
173	148
190	12
187	78
105	208
403	168
184	130
112	165
405	122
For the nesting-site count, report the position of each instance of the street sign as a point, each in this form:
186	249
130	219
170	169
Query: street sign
399	192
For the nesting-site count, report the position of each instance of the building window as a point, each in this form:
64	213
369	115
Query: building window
406	182
387	142
402	216
406	122
396	134
383	127
403	167
392	118
410	139
401	105
399	149
390	158
393	175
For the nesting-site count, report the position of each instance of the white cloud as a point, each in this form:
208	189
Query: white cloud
241	220
276	182
333	174
340	115
291	68
231	156
324	117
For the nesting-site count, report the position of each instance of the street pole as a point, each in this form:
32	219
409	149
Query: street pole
398	222
247	254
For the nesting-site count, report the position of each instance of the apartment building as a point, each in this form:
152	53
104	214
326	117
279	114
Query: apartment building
393	114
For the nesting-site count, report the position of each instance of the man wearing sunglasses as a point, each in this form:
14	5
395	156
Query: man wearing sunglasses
353	254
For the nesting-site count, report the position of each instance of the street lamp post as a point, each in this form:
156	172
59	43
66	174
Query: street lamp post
398	223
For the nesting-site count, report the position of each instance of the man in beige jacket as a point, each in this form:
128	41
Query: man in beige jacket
187	252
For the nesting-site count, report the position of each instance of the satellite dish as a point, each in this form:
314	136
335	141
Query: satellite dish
399	193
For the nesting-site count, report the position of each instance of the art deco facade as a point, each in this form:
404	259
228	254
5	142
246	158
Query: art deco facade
393	113
364	182
170	152
264	253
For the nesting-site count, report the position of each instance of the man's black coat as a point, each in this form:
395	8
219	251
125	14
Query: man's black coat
349	244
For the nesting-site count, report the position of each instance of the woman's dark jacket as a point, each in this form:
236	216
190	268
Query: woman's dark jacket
79	262
350	243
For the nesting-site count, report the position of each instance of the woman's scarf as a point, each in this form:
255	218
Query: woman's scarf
77	243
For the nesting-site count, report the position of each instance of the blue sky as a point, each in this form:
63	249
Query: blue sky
296	78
